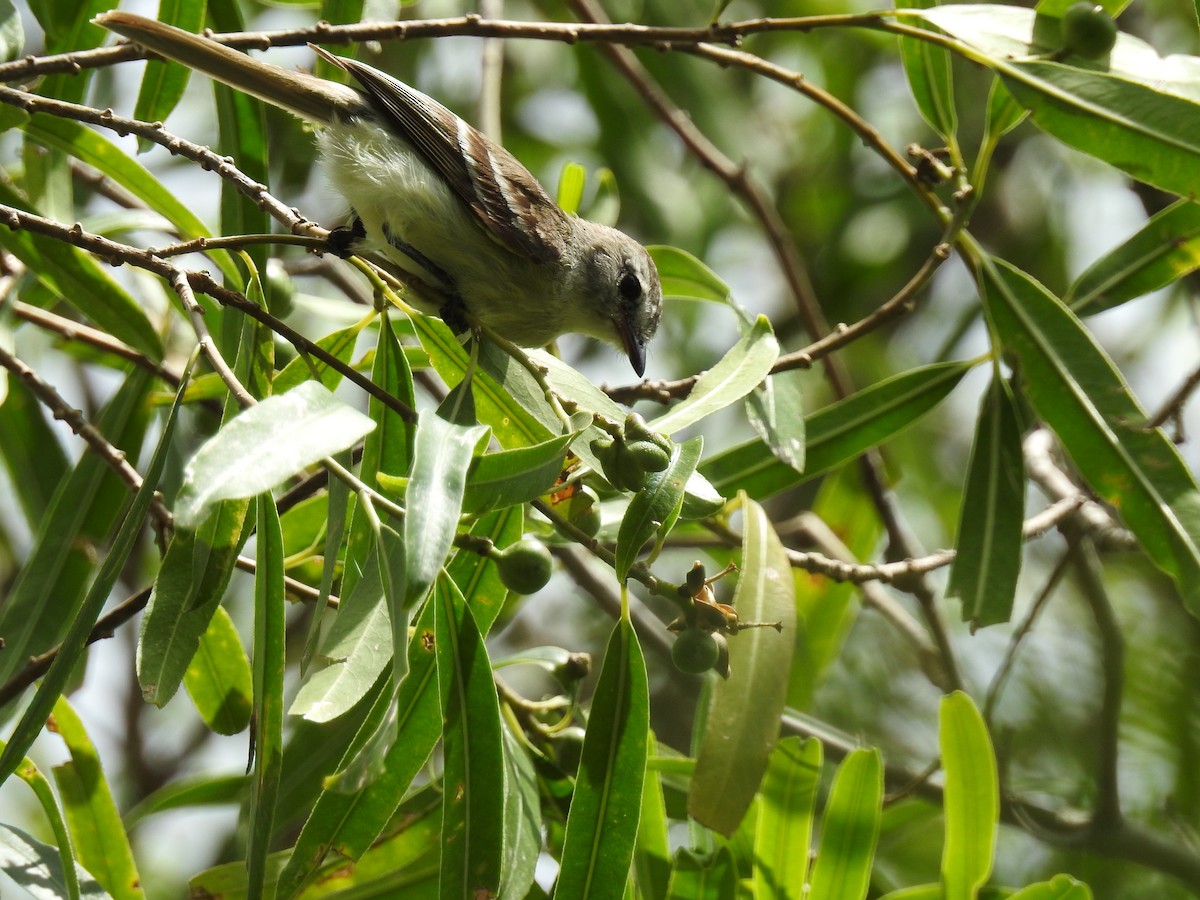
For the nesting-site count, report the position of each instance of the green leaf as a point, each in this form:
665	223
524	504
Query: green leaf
785	818
656	505
776	410
740	370
12	32
931	81
473	794
355	650
191	580
1060	887
433	501
270	651
93	148
522	821
694	877
76	278
190	791
339	344
1163	251
266	444
1079	393
971	797
1140	115
101	845
350	823
838	433
683	275
218	679
849	829
508	477
988	560
652	853
743	715
163	82
31	455
72	646
602	822
38	868
571	182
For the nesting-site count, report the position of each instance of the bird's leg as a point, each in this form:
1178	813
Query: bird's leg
344	237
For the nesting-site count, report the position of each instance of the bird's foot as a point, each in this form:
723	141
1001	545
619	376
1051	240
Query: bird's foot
343	238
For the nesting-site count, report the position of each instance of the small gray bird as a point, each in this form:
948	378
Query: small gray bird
444	202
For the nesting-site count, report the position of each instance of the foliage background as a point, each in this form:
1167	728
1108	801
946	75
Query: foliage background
860	233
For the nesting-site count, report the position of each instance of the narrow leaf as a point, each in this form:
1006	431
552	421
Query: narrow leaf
1077	390
785	819
602	821
849	829
776	411
741	370
101	844
985	569
971	798
218	679
929	78
270	627
473	795
683	275
742	722
37	868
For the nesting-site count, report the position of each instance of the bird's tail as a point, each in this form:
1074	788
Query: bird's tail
305	95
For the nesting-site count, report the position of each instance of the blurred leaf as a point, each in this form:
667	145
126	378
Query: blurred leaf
785	818
656	505
1080	394
37	868
218	679
683	275
971	798
571	182
31	455
12	32
929	78
163	82
988	560
1060	887
69	651
190	791
694	877
76	278
270	653
473	794
742	722
849	829
602	821
1163	251
652	853
740	370
838	433
266	444
776	410
97	833
339	344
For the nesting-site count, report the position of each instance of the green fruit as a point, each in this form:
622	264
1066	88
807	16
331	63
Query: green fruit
695	651
583	511
649	457
1087	30
636	429
525	566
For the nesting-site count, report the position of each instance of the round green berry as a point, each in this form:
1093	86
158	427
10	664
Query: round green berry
695	651
525	566
1087	30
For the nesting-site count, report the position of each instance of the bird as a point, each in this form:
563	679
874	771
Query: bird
438	198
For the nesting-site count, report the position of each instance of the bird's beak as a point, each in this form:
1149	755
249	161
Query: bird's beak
634	346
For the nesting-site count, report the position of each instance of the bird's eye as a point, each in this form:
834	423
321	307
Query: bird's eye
630	287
